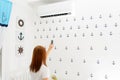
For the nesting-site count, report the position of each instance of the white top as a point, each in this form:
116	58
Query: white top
42	73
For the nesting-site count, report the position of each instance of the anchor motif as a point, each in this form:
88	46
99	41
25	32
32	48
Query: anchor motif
21	37
4	18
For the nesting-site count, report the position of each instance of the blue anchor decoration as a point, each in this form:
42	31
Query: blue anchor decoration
4	18
21	37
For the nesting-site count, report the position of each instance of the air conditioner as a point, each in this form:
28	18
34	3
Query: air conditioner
56	9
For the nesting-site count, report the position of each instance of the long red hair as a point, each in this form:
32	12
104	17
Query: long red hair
38	58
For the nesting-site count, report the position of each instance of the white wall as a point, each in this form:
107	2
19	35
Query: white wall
0	63
93	61
99	63
12	62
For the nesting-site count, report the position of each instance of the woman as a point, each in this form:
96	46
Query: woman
38	66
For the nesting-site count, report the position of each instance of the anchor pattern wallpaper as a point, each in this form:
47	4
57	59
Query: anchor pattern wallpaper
85	47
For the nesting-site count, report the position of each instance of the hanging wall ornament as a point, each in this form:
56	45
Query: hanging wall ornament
20	36
20	23
19	50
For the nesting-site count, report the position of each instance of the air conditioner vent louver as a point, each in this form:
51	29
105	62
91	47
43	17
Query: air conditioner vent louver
54	15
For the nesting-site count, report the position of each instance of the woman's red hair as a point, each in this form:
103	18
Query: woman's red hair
38	58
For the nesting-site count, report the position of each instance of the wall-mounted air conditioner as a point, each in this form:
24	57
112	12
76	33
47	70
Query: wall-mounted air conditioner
56	9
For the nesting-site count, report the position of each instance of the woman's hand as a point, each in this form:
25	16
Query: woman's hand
50	48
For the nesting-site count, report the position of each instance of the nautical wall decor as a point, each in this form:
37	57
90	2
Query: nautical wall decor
19	50
20	35
5	11
85	47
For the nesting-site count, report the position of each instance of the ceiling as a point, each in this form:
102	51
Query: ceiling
45	1
42	2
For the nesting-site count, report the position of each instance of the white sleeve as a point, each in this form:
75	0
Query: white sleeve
45	73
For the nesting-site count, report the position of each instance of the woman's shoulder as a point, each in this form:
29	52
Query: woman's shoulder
44	67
